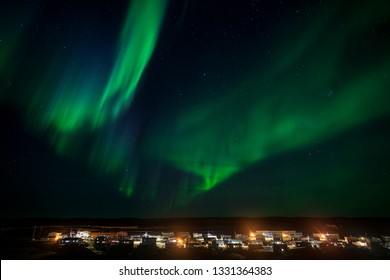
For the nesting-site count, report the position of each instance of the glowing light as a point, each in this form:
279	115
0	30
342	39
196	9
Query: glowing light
138	39
215	139
307	92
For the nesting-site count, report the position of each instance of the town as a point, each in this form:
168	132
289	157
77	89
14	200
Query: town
271	243
196	238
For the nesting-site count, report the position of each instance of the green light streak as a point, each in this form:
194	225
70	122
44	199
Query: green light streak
218	137
309	89
138	40
70	104
217	149
76	100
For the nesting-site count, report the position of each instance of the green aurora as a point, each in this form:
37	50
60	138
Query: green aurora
301	85
215	138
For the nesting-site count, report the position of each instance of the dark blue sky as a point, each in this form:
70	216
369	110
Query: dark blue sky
194	108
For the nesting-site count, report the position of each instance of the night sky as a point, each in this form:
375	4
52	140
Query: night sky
154	108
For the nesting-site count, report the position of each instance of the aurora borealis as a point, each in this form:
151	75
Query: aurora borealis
154	108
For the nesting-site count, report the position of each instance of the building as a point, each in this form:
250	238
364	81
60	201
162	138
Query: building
83	234
277	235
122	235
234	244
326	237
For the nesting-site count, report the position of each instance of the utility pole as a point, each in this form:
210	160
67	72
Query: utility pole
33	237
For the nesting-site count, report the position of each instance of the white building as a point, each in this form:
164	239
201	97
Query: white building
83	234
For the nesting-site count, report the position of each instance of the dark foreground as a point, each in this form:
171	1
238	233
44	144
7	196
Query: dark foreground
17	235
42	251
